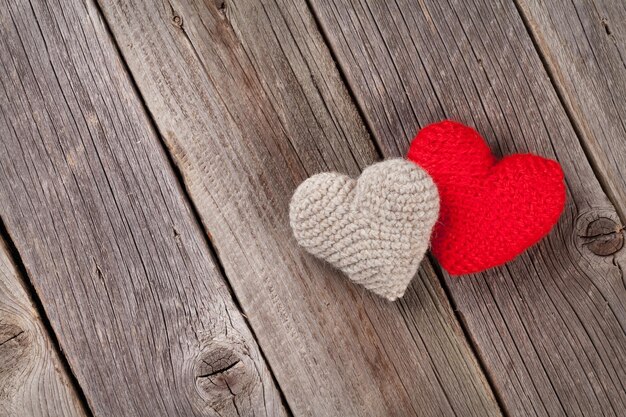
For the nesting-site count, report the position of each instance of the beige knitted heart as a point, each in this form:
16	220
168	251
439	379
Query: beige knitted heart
375	229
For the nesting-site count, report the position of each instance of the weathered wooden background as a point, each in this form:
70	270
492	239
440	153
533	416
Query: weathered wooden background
149	151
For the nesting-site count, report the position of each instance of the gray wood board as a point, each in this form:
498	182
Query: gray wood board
121	266
584	46
249	103
549	327
33	382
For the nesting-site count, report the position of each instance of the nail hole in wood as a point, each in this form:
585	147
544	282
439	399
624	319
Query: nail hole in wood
221	6
177	21
605	24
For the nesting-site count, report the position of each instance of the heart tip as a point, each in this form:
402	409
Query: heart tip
393	297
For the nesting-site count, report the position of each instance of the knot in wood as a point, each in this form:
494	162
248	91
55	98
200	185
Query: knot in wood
15	347
604	236
224	373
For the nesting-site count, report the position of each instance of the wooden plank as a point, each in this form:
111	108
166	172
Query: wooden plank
549	327
249	103
122	267
33	382
584	46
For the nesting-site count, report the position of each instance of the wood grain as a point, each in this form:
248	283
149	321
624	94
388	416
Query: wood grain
549	327
249	103
121	266
584	46
33	382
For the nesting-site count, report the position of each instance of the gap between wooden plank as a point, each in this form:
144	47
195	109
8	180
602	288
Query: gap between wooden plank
7	245
429	257
594	161
180	178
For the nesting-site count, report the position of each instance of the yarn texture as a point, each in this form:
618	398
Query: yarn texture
491	211
375	229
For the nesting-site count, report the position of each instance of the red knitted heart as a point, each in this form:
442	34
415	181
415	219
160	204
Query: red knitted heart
491	211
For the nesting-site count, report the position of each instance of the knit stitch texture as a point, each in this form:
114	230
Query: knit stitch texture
375	229
491	211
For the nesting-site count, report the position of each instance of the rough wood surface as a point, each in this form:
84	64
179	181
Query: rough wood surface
584	45
249	102
33	382
549	327
121	266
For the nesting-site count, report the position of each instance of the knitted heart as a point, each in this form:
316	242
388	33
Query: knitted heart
375	230
491	211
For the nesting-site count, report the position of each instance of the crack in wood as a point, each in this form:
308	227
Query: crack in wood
218	371
11	338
